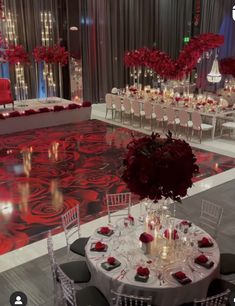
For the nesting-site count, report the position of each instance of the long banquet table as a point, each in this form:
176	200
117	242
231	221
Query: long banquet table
214	117
164	289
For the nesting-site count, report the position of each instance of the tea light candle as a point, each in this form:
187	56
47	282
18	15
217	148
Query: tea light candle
164	252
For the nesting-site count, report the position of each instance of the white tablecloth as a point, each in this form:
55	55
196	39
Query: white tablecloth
167	293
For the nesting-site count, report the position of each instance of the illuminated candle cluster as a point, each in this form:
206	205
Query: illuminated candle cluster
21	88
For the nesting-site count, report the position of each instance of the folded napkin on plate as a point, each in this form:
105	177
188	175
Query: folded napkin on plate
145	237
182	278
205	243
99	246
203	261
142	275
105	230
185	223
110	264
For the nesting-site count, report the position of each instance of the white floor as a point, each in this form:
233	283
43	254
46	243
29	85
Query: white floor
37	249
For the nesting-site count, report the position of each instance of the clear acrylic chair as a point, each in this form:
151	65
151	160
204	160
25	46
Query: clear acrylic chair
120	299
116	202
210	216
216	300
71	226
88	295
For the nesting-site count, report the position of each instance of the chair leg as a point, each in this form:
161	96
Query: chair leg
13	106
106	112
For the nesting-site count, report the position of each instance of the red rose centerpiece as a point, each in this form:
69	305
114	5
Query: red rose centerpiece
146	238
171	234
156	167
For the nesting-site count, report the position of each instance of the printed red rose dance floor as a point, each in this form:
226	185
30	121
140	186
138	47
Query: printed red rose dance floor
45	172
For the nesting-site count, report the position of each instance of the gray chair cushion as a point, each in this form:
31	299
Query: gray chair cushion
77	271
227	264
78	246
90	296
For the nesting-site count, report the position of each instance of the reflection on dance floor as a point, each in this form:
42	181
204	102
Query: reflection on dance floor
45	172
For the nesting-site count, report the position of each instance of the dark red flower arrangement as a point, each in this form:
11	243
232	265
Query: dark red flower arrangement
51	55
16	54
158	168
227	66
86	104
163	65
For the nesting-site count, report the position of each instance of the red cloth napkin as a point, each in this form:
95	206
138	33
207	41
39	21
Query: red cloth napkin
180	275
143	271
99	246
146	238
111	261
205	242
104	230
202	259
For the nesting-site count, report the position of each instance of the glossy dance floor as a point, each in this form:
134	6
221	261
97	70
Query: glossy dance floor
45	172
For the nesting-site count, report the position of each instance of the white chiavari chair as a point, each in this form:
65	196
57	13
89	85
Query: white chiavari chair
185	121
198	125
160	117
116	202
127	109
148	113
119	108
171	119
109	104
71	226
137	112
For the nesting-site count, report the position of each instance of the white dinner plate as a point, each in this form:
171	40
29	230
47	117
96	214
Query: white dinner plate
130	276
175	268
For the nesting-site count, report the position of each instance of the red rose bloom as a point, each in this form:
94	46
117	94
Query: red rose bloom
143	271
180	275
111	260
99	246
104	230
202	258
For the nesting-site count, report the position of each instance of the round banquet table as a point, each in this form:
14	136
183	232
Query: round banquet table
124	245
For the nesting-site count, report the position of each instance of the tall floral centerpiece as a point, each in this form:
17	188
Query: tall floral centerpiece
16	56
158	168
50	56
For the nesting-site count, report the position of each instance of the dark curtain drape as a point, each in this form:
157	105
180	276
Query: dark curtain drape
109	28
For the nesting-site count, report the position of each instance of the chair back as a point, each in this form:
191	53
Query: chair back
108	100
219	300
127	105
148	109
116	202
5	84
117	102
51	254
120	299
136	107
197	120
183	117
211	215
71	224
158	111
67	286
170	113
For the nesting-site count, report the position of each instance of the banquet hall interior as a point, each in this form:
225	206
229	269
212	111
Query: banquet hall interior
117	152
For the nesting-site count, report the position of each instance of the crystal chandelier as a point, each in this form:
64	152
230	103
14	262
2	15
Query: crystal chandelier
214	76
